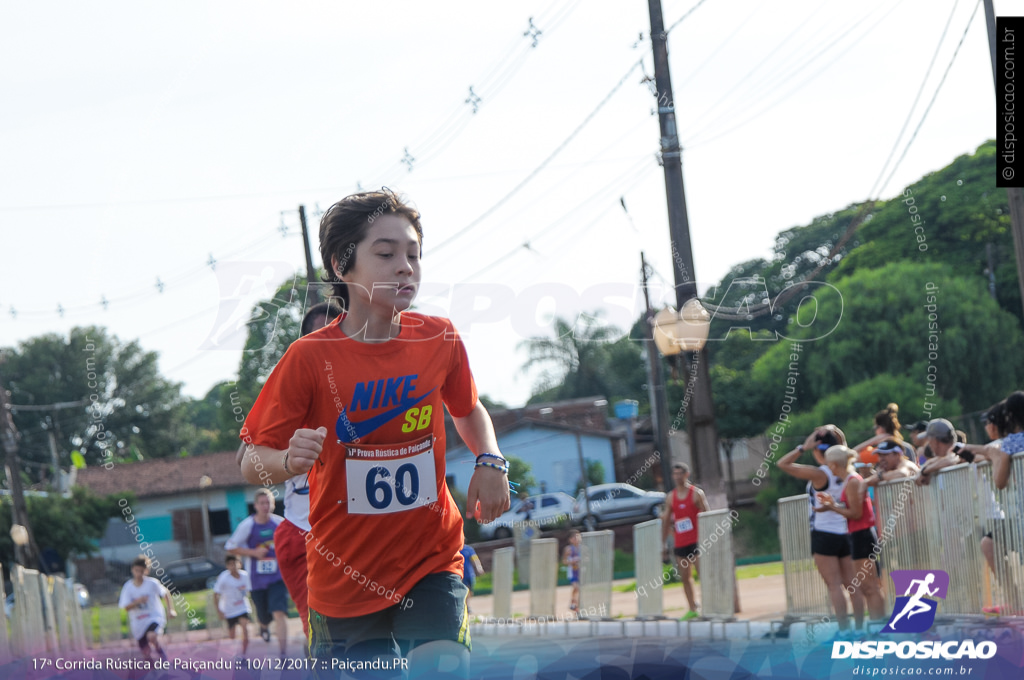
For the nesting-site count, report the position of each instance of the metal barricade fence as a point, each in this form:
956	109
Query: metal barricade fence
1002	521
954	490
597	561
649	571
717	564
543	576
937	526
806	594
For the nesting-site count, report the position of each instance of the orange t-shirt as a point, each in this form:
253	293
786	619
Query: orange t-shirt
381	514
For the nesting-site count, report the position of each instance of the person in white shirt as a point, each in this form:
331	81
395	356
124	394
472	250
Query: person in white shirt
141	598
253	538
229	595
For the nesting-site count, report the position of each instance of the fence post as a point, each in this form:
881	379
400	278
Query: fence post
597	562
501	582
543	576
647	551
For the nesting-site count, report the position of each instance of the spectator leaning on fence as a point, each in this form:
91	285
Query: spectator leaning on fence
1013	442
941	438
892	464
855	505
830	539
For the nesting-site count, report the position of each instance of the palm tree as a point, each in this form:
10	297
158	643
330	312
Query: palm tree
575	359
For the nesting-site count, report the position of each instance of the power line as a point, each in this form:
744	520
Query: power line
696	141
934	96
917	98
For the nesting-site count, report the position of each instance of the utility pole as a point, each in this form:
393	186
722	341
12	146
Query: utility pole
700	421
27	555
310	272
656	387
1014	195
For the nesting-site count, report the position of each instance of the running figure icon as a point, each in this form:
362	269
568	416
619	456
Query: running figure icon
920	588
914	604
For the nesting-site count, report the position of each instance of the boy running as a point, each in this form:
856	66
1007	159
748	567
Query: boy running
141	597
571	560
254	538
229	596
383	550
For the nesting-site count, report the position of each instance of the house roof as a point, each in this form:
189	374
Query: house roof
164	476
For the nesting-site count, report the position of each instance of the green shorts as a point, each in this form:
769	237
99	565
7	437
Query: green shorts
435	609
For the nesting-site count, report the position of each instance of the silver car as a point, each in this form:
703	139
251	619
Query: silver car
543	510
616	501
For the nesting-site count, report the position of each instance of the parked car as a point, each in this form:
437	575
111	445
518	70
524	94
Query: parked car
542	510
616	501
193	574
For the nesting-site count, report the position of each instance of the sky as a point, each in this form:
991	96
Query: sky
154	156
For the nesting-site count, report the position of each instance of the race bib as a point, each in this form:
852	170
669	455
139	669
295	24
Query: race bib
391	477
266	566
683	525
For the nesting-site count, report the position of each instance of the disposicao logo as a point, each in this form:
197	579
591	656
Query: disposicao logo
914	611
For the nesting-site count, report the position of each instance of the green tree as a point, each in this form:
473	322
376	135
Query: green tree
126	402
520	474
70	525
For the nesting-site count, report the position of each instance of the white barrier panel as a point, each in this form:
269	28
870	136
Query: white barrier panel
597	562
806	594
5	644
28	613
717	564
61	613
77	619
1002	519
647	551
543	576
502	566
49	617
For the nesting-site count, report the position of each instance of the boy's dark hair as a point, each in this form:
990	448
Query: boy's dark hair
141	561
328	311
345	224
231	558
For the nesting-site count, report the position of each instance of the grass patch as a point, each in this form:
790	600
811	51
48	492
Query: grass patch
757	570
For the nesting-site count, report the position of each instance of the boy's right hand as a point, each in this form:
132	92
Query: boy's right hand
304	449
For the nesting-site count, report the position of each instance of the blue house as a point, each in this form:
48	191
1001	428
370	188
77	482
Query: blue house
552	449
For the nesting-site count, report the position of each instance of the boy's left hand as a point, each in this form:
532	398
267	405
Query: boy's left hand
488	494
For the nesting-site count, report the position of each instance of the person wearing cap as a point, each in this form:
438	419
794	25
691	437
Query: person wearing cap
892	464
940	436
